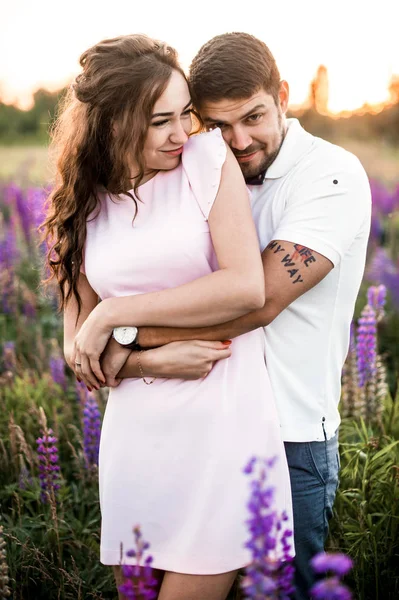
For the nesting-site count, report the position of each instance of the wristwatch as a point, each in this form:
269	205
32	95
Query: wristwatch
126	337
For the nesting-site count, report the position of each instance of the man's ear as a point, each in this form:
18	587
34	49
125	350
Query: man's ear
284	94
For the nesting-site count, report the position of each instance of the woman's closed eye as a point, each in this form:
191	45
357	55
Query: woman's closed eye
185	115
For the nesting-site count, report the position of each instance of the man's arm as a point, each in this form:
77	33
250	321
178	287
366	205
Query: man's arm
290	270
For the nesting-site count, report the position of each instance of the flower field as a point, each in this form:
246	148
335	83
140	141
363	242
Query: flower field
50	425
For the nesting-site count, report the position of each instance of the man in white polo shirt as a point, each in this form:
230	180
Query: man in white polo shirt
311	205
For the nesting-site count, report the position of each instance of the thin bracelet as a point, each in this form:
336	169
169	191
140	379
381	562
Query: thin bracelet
141	369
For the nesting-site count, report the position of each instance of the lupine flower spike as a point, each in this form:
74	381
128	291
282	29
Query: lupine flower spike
383	269
366	345
57	366
376	298
139	580
91	430
49	470
270	573
57	370
331	588
81	392
351	398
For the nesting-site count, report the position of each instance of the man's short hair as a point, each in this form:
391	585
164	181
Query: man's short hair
233	66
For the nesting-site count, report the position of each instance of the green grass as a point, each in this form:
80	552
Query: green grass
25	165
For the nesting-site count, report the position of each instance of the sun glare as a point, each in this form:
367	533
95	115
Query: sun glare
358	53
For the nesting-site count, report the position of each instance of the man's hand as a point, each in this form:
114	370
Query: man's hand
178	360
112	360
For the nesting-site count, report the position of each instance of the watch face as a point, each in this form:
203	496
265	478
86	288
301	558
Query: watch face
125	335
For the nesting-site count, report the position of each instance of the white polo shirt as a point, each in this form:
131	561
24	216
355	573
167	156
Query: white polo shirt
317	195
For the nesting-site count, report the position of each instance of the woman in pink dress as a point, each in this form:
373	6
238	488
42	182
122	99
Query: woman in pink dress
157	226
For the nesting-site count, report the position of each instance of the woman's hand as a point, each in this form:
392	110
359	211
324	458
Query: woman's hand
179	360
89	344
112	360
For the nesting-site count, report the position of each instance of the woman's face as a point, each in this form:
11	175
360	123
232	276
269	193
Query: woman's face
170	126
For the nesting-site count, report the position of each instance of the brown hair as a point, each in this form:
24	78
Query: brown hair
233	65
121	81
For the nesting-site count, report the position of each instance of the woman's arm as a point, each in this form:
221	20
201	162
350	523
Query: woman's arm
235	289
72	327
181	360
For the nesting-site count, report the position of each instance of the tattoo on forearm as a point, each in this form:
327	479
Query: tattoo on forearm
301	255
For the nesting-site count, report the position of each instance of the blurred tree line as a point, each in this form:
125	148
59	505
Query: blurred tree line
32	126
29	126
366	124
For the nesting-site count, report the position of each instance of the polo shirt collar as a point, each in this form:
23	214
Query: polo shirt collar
296	144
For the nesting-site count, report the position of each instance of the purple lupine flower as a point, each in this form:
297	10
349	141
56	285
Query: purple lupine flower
139	580
395	197
91	430
366	345
8	257
382	270
331	588
271	572
36	200
376	298
81	392
25	479
384	202
337	562
391	280
29	309
9	358
23	211
49	469
380	264
57	370
8	248
376	228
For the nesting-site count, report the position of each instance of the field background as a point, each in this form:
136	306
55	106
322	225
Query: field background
52	541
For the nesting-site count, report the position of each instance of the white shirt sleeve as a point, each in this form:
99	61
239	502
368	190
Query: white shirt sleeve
328	211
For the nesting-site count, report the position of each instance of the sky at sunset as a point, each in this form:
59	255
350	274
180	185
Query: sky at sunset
357	40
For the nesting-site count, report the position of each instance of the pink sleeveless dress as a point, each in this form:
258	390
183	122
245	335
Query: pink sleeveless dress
172	453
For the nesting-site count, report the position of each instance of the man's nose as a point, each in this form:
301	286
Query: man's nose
240	139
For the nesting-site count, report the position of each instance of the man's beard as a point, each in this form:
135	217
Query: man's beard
249	170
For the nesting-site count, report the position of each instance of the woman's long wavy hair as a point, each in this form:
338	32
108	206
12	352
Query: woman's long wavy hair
121	80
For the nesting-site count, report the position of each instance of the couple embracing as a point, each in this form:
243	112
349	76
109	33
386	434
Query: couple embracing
209	281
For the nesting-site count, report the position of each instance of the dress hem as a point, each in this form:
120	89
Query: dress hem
164	563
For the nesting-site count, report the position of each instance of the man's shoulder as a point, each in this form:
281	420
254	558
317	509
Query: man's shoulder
325	158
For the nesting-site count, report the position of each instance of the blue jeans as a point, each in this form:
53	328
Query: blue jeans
314	469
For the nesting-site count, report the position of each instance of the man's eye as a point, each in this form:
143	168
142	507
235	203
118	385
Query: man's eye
254	118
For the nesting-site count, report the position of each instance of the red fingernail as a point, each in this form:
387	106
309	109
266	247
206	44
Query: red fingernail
89	388
226	342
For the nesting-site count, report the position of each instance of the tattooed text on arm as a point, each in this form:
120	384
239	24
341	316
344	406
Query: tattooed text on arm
291	262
